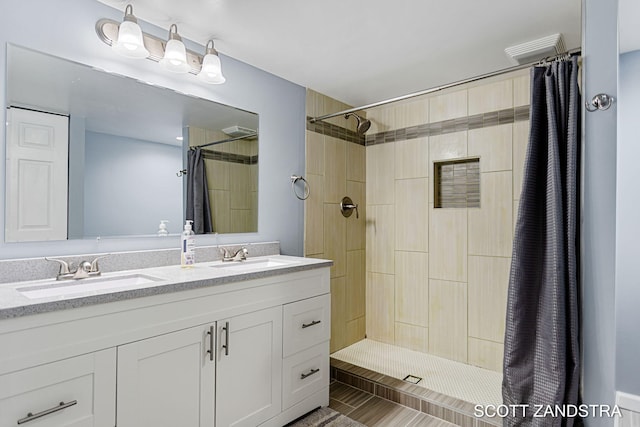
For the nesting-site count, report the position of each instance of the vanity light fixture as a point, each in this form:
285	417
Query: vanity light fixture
211	71
171	54
129	41
175	54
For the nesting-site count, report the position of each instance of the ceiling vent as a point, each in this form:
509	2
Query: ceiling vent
536	50
237	131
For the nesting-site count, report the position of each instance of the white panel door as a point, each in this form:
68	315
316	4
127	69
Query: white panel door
75	392
249	368
168	380
37	175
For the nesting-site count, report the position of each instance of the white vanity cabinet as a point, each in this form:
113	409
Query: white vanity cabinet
245	353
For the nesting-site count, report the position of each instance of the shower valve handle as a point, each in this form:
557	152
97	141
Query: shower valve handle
347	207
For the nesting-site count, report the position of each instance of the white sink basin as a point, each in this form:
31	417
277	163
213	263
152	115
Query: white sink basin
90	286
254	264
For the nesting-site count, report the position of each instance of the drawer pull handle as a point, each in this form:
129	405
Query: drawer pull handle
225	328
211	339
311	372
308	325
31	416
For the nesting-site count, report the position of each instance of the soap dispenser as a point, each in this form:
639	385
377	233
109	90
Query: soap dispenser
187	246
162	228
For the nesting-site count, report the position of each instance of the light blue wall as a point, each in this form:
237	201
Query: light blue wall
628	235
130	185
598	227
66	29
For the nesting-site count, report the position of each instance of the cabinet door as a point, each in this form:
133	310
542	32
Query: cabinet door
75	392
167	381
249	368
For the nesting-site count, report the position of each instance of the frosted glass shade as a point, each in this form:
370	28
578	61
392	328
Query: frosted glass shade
130	42
175	57
211	71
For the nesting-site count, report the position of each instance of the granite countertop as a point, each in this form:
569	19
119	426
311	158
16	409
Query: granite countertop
14	303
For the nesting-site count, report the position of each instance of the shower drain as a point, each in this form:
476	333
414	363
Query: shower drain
412	379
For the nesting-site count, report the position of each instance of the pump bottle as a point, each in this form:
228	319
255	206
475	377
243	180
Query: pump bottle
187	246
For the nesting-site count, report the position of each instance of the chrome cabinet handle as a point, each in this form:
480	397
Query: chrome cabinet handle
31	416
308	325
311	372
211	332
226	338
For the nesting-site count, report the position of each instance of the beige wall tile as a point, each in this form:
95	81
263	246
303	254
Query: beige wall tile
412	337
356	226
491	97
338	314
241	220
355	284
486	354
356	158
220	211
488	284
314	103
380	174
493	146
490	226
314	216
380	323
240	186
520	143
356	330
197	136
382	119
217	174
253	178
412	158
380	238
314	155
332	106
335	243
412	288
516	206
412	214
448	146
412	113
448	244
521	91
335	172
448	320
448	106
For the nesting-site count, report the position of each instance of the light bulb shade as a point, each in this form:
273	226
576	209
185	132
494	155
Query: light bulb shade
175	57
130	42
211	71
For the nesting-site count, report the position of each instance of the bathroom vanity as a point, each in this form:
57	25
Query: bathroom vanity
220	344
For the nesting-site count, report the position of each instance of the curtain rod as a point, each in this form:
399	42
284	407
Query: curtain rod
225	140
447	86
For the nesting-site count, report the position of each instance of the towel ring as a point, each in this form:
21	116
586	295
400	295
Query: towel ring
296	178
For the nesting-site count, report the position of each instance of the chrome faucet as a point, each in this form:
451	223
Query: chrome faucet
239	255
84	270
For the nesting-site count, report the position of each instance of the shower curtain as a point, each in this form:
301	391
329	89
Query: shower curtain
541	353
198	208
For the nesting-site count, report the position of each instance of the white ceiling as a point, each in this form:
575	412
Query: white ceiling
363	51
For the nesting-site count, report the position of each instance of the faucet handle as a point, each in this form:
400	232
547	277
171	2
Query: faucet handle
224	252
95	268
64	266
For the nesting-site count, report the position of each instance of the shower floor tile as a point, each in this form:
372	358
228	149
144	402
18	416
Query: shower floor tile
458	380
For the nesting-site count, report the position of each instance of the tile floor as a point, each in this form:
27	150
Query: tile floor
374	411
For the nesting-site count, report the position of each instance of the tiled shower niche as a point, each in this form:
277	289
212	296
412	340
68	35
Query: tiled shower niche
457	184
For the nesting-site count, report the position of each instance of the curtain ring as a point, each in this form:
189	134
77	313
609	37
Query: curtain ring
296	178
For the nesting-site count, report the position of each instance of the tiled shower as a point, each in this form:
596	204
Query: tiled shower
408	273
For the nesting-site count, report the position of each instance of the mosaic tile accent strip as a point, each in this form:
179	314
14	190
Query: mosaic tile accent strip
230	157
335	131
492	118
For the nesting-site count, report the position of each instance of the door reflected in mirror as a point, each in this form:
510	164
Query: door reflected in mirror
117	164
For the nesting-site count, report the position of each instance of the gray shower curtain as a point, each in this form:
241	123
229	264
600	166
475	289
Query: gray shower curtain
541	348
198	207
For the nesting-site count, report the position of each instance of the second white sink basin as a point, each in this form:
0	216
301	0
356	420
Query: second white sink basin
254	264
90	286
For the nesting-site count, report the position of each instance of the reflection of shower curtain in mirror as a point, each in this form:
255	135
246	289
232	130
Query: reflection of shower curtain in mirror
198	208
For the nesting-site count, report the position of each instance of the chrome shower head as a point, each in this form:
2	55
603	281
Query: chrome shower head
363	124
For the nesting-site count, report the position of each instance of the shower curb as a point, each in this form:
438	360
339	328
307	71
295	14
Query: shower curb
412	396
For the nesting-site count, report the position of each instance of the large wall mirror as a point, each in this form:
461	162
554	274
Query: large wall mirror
94	154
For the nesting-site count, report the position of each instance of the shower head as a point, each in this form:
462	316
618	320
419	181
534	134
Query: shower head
363	124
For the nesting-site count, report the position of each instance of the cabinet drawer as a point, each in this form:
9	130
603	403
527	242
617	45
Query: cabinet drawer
306	323
305	373
85	384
